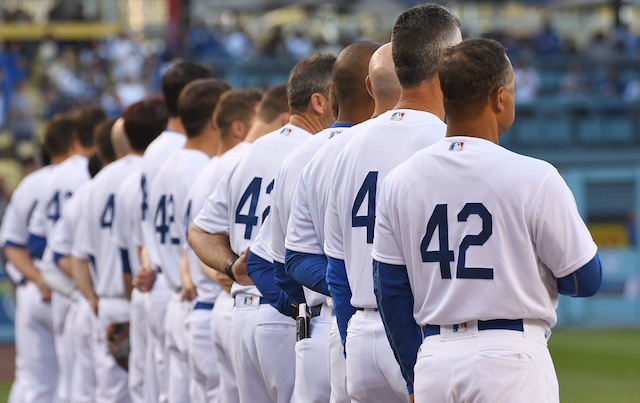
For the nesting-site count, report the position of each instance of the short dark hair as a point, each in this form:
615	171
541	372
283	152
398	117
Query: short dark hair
470	73
87	119
197	102
419	36
58	136
274	103
102	140
176	78
309	76
350	72
144	121
95	165
236	105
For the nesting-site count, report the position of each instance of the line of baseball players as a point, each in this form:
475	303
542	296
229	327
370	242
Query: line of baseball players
221	218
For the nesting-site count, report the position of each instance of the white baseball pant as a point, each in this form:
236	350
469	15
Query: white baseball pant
83	387
137	341
157	301
203	369
62	316
112	382
220	329
373	374
338	366
486	365
263	343
312	382
176	347
18	388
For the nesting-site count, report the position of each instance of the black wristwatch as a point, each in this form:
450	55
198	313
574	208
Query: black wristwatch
227	268
293	310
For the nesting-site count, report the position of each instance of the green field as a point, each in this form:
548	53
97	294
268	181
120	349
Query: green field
593	366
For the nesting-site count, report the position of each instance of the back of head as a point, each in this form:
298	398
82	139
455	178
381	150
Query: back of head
349	74
419	37
176	78
87	119
273	104
382	75
309	76
119	139
470	73
197	102
144	121
58	137
102	140
236	105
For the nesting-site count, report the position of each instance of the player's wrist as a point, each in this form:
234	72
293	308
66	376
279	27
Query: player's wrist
228	268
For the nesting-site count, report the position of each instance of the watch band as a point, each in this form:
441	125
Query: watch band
229	265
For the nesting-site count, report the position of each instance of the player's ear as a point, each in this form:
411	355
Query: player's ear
367	83
238	129
498	100
317	103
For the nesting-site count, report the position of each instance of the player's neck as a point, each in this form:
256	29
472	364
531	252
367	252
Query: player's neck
304	122
227	144
483	127
426	97
206	142
260	128
354	116
383	106
175	125
61	158
84	151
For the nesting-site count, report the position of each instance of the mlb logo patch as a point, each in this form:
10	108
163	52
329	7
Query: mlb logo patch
456	146
286	131
397	116
460	328
248	300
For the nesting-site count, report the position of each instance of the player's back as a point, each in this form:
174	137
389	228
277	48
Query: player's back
200	190
359	170
127	221
101	213
167	202
156	154
485	232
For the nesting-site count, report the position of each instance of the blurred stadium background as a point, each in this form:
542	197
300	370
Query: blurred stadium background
578	96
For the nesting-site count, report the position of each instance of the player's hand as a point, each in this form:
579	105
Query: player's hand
239	269
189	293
411	398
45	292
94	304
145	279
223	280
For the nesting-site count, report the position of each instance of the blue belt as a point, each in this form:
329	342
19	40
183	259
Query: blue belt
496	324
203	305
23	281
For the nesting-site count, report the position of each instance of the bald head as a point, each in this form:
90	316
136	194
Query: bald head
119	139
349	75
383	84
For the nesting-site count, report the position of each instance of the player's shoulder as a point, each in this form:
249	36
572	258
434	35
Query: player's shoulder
33	182
285	135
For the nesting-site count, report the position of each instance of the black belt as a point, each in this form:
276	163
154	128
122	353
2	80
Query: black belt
315	310
496	324
362	309
203	305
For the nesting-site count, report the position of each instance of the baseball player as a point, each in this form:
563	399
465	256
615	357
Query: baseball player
263	338
148	278
354	105
142	123
420	34
64	180
102	285
167	203
233	117
305	259
473	244
34	327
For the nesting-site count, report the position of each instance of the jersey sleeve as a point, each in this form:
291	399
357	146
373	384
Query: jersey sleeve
122	226
258	247
82	247
60	240
563	242
333	236
14	226
37	224
386	248
301	234
214	216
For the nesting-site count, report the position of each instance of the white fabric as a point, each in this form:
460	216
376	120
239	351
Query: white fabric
62	318
127	206
202	361
159	151
83	387
388	140
138	343
167	202
536	233
338	366
221	338
175	341
156	303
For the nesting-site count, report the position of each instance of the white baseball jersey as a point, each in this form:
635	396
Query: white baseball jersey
123	228
242	200
93	236
387	141
18	213
168	205
159	151
305	230
484	232
63	180
63	233
270	244
204	185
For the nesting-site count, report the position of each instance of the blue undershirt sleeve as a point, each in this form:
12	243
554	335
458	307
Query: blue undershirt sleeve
583	282
57	257
308	269
36	245
287	284
341	294
124	256
395	303
262	275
